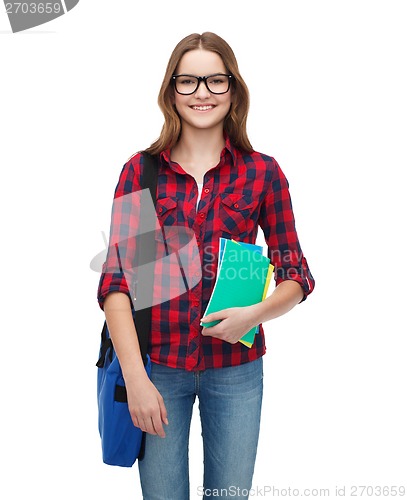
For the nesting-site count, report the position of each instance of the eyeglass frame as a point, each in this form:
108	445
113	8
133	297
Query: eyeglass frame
202	79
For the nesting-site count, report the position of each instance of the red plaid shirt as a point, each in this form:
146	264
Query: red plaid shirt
244	191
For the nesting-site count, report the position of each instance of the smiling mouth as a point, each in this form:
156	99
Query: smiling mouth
203	108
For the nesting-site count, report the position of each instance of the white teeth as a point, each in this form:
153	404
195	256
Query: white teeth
202	108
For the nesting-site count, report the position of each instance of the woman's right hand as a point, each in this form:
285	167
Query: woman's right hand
147	408
146	405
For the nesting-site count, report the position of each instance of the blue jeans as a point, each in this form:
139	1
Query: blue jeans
230	406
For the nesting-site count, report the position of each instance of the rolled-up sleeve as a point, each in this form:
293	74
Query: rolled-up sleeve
121	250
278	224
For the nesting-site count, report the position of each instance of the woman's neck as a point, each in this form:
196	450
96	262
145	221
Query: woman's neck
198	149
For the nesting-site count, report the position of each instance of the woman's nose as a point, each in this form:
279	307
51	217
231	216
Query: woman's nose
202	91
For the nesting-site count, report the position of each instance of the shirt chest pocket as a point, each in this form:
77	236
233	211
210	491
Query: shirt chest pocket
237	213
166	210
175	233
167	214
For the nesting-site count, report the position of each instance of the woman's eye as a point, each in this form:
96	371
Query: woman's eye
217	81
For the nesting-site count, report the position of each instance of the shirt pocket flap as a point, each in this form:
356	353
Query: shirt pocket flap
237	202
165	204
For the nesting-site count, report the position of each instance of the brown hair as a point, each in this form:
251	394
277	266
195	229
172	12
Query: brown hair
235	120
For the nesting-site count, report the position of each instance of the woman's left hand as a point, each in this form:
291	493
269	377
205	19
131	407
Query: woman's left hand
235	322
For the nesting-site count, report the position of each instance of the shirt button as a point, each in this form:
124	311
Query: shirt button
206	190
236	205
201	215
160	209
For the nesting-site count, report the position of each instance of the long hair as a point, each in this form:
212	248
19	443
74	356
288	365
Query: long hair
235	120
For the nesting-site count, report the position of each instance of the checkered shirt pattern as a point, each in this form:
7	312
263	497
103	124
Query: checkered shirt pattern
243	192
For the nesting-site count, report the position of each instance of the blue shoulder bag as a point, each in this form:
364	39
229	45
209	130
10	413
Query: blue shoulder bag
122	442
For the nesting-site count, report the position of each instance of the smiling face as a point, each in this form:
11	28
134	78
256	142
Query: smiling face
202	109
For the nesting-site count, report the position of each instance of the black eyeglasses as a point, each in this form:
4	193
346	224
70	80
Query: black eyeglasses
218	83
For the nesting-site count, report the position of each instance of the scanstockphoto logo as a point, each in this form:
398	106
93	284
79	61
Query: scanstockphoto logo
26	15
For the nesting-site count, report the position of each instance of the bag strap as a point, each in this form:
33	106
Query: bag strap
145	250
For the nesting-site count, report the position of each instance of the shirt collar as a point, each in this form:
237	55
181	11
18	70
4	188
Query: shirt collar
229	147
166	153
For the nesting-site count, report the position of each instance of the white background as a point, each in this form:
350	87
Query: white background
328	101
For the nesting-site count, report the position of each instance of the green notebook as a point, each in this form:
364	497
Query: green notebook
242	280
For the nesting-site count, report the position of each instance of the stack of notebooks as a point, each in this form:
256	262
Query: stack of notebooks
243	279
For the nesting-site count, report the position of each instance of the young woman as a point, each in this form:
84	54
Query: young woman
213	183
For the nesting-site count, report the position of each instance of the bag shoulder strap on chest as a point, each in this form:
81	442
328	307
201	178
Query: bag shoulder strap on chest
145	249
